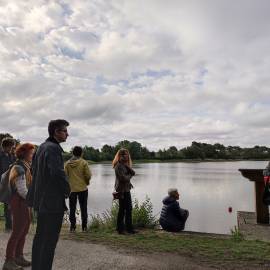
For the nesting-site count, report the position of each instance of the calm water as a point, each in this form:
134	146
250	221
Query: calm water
206	190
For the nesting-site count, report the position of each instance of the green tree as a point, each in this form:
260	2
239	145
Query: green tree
90	153
107	152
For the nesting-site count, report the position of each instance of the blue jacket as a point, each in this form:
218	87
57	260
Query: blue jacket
50	186
172	217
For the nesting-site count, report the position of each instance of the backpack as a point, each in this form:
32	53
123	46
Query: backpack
5	187
6	190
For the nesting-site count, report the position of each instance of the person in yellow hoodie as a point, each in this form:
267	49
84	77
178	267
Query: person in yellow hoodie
79	175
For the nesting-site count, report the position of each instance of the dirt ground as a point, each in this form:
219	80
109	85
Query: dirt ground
73	255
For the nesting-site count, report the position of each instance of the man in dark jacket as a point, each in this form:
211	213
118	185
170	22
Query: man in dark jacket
47	195
172	217
6	159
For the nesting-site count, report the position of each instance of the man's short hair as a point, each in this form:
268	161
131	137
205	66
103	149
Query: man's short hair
77	151
56	125
7	142
172	191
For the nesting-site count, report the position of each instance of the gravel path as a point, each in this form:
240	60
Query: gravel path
73	255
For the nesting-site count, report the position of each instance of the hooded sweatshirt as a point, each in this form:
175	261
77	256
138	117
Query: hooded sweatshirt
78	173
172	217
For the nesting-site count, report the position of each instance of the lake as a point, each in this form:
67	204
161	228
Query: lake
207	190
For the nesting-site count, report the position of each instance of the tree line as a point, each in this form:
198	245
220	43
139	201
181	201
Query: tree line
196	151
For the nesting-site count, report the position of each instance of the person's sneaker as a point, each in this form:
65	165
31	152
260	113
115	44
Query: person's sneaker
21	261
11	265
84	229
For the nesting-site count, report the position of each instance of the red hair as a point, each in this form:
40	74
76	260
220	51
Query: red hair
23	149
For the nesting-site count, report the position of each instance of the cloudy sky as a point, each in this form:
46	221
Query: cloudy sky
159	72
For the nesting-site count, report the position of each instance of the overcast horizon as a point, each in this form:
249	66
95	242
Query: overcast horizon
158	72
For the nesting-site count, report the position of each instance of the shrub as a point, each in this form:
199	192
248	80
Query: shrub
236	234
142	216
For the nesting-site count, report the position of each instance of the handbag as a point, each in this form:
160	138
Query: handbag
266	194
116	195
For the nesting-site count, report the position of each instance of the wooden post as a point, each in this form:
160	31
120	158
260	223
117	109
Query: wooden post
256	176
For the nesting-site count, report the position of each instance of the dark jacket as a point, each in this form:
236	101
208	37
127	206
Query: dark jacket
172	217
123	174
50	186
5	161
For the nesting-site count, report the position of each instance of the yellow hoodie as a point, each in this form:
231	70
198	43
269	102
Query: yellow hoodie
78	173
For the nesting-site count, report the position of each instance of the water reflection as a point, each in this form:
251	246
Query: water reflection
206	189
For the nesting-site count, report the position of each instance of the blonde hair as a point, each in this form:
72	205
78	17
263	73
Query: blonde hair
119	154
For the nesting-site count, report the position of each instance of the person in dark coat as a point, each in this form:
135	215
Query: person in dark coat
6	159
47	194
172	217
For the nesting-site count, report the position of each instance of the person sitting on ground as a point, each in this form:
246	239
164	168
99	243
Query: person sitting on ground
79	175
172	217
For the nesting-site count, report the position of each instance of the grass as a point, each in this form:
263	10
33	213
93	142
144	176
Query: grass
211	250
217	250
1	210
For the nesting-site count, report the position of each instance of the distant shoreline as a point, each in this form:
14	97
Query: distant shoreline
179	161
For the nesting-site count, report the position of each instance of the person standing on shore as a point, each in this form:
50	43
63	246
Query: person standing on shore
123	173
6	159
47	194
79	175
20	179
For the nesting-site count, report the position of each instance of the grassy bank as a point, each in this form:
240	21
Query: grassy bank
211	249
223	252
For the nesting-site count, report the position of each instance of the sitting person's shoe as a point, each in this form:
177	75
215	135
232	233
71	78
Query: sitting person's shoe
121	232
132	231
11	265
21	261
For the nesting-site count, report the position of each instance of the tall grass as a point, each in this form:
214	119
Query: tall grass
142	216
1	210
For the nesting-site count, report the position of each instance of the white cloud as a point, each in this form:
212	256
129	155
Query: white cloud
161	73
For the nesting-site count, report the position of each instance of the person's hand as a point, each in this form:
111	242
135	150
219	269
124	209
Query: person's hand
130	170
30	213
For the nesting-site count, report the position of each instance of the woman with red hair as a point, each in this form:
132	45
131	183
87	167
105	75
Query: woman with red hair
123	173
20	179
